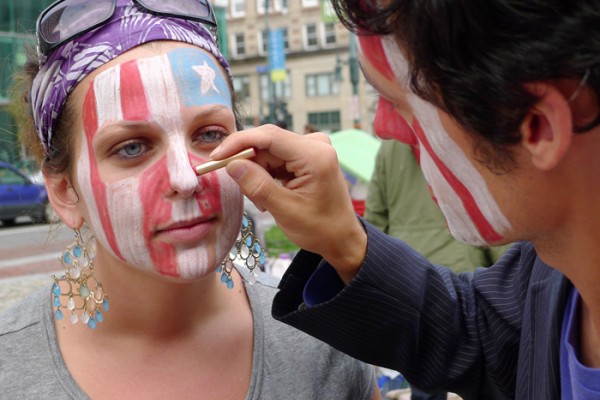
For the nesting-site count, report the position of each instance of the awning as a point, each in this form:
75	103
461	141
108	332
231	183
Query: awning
356	151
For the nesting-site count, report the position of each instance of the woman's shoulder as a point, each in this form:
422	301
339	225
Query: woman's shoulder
298	362
22	333
24	314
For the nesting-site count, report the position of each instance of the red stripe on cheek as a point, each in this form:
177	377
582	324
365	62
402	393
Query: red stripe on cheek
389	124
209	196
90	124
133	97
156	210
486	230
372	48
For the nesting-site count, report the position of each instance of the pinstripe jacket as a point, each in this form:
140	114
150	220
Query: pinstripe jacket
489	334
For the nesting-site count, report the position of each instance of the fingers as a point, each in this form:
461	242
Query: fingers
270	138
255	182
308	198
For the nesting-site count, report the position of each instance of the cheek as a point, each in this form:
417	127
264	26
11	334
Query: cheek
231	216
389	124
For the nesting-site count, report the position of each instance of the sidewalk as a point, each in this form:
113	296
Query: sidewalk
15	288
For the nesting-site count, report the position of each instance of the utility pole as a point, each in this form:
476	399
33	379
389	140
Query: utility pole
271	100
354	76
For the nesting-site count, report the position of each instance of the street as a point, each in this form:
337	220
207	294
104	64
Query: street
29	254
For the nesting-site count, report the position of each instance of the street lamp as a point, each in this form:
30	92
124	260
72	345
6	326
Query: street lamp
354	79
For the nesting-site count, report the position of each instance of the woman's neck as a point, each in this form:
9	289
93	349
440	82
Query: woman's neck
145	303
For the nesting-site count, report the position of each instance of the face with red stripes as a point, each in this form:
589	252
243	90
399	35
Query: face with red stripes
458	187
148	118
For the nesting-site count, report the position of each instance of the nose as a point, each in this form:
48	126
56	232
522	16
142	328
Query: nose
183	180
389	124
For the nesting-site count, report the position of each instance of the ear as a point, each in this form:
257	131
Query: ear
64	199
547	129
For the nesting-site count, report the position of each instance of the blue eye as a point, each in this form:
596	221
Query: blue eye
131	150
211	136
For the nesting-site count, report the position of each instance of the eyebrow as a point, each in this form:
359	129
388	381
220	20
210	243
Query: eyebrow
211	111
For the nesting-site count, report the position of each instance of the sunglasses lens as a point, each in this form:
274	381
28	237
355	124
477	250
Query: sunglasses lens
199	9
71	17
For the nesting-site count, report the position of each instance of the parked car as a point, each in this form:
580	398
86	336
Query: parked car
20	196
32	169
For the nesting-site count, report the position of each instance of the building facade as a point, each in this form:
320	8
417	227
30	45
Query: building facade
318	87
17	25
322	85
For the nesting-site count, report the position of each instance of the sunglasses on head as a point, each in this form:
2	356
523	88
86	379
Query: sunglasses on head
65	20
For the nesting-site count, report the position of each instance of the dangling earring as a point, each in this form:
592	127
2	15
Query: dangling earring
77	290
248	248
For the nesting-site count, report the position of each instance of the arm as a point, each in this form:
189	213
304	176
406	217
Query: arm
439	329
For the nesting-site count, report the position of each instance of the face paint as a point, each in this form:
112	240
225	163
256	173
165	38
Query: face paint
129	215
471	211
389	124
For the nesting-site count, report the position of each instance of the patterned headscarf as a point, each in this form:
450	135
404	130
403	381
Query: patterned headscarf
69	64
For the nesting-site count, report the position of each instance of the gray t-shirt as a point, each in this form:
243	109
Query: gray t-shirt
287	363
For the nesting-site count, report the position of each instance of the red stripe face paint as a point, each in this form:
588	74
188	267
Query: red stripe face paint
471	211
160	217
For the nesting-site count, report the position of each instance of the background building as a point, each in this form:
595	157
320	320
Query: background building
17	24
322	84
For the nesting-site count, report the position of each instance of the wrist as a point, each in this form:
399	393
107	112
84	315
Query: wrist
348	254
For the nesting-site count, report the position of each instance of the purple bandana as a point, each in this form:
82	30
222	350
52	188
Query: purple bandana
67	65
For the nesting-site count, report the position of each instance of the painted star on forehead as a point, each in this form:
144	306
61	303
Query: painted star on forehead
208	77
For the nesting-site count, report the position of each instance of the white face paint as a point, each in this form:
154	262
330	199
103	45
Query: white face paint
471	211
163	218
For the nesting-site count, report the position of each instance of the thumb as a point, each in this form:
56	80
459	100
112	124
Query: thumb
255	182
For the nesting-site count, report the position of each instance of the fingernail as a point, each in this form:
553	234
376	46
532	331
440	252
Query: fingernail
236	169
215	151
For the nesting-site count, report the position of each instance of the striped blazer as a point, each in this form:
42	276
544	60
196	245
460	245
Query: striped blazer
489	334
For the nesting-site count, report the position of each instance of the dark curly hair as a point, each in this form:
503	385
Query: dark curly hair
471	58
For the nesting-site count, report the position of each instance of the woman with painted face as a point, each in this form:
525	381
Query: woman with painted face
499	101
123	107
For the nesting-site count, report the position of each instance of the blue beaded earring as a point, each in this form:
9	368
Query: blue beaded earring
77	291
247	247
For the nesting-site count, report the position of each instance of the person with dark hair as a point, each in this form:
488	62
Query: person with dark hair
500	101
122	100
399	204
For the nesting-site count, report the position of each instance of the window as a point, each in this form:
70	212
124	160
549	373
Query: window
239	45
310	36
329	38
238	8
274	6
310	3
286	41
327	121
241	87
282	89
321	85
263	41
20	16
10	177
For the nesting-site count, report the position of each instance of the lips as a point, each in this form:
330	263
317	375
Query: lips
185	232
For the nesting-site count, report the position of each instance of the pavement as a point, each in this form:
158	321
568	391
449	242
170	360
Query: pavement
14	288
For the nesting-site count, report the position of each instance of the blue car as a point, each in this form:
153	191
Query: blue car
19	196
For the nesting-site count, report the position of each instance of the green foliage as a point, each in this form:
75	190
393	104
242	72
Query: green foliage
276	242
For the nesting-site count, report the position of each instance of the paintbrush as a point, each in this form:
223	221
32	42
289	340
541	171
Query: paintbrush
210	166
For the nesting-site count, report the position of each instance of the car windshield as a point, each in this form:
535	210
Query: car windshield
10	177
